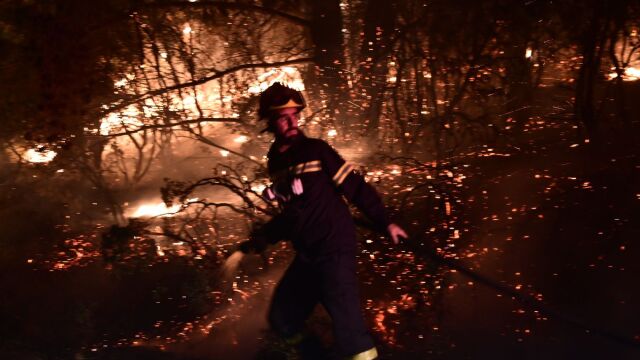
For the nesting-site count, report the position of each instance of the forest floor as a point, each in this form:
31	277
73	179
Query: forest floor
554	220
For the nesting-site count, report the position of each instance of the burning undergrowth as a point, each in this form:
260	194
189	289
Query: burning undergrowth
174	259
428	197
410	187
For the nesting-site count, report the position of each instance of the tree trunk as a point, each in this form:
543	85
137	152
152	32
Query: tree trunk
591	48
374	60
326	35
519	89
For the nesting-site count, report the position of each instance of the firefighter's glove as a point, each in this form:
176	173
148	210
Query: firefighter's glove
283	190
246	247
257	244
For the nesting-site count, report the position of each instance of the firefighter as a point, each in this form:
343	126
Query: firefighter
309	179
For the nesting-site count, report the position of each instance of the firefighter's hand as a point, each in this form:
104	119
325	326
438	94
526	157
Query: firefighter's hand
396	232
269	194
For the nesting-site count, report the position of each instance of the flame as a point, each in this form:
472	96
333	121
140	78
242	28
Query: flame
207	97
259	188
120	83
209	100
286	75
157	209
630	74
39	155
115	122
241	139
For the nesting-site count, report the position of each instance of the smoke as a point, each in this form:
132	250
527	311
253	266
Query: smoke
230	266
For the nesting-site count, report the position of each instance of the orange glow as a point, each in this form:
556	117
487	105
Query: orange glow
149	210
286	75
118	122
156	209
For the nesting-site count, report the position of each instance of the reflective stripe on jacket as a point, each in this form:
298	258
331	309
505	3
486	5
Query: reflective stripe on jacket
315	216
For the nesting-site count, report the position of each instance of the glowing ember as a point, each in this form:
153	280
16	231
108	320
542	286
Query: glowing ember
79	251
332	133
224	153
39	155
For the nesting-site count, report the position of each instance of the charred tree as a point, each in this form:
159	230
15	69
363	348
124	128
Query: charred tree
623	47
326	36
518	64
375	50
592	44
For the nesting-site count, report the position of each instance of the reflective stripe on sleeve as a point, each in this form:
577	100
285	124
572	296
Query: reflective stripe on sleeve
342	173
370	354
310	166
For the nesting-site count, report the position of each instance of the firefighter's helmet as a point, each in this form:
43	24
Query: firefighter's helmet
279	96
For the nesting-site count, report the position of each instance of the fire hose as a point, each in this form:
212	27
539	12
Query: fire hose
524	299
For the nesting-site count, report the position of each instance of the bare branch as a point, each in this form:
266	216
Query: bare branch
170	125
231	6
216	75
208	141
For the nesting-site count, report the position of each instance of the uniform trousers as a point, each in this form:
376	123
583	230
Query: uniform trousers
330	280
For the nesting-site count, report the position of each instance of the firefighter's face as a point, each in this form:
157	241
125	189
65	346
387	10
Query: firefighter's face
286	122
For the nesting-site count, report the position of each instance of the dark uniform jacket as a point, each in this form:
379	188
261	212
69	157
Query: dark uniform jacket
314	214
